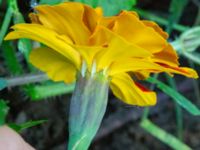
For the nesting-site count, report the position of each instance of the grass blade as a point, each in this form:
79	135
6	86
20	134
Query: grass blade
163	136
180	99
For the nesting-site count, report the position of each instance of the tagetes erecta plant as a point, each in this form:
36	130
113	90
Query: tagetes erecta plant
96	51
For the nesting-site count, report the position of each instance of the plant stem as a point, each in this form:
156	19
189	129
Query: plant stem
6	23
87	108
179	115
25	79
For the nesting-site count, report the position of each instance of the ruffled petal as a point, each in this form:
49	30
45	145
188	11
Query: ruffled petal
115	48
69	19
39	33
133	30
156	27
91	17
56	66
130	92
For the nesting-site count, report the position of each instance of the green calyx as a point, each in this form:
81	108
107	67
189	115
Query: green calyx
87	108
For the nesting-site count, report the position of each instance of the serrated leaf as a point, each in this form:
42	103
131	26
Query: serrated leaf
180	99
29	124
3	111
163	136
3	84
40	92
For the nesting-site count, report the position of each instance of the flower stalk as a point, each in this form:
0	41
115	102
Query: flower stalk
87	108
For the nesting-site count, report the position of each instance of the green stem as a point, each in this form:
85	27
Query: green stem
87	108
6	23
179	115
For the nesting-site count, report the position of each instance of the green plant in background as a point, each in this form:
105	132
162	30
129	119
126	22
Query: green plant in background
186	45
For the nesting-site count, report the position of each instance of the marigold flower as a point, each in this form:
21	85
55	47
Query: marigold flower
76	34
81	43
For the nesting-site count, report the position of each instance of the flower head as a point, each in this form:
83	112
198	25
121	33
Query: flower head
80	39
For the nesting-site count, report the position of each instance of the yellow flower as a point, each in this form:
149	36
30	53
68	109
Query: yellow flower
80	39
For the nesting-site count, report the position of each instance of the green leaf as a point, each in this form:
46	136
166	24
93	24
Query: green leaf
180	99
20	127
3	84
10	58
40	92
3	111
162	135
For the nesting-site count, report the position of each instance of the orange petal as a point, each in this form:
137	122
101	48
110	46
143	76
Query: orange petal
188	72
156	27
167	56
65	18
133	30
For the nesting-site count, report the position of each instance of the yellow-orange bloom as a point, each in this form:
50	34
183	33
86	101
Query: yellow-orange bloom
80	39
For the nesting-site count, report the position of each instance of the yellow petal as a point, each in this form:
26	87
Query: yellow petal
134	65
99	11
115	48
88	53
156	27
39	33
56	66
133	30
131	93
65	18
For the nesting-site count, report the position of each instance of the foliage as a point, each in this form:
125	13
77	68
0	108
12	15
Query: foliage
3	111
